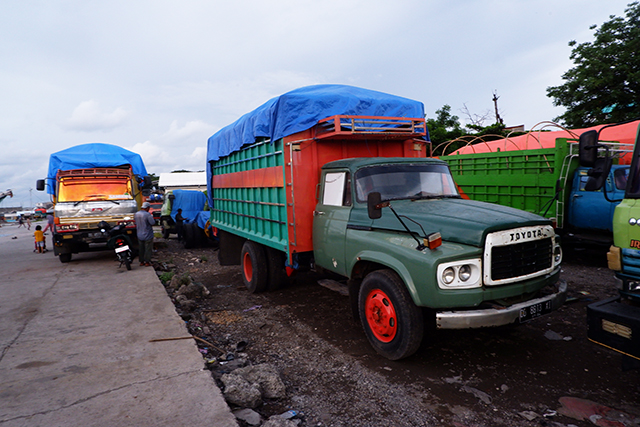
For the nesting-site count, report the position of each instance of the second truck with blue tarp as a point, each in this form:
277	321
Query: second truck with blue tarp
337	178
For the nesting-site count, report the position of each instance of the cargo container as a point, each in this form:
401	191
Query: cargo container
336	178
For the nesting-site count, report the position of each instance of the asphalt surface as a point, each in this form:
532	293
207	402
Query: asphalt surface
76	345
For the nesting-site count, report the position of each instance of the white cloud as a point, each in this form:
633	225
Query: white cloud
161	77
89	117
195	128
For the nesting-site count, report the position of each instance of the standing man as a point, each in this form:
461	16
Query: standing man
180	224
144	227
50	221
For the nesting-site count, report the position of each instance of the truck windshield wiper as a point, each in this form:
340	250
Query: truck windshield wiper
425	196
95	195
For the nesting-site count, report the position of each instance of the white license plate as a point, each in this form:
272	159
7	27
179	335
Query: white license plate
535	310
122	249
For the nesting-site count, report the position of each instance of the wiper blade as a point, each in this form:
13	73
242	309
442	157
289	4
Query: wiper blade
95	195
435	196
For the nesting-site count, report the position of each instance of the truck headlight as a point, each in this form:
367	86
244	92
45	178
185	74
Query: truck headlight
557	255
463	274
448	275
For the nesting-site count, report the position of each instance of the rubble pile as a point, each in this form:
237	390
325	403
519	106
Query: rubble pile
245	387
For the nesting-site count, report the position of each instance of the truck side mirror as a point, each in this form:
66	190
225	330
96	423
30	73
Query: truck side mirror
40	185
374	200
587	148
147	182
598	174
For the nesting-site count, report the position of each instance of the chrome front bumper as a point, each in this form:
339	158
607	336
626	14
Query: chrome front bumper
468	319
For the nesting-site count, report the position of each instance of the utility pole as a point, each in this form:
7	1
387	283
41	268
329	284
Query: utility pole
495	104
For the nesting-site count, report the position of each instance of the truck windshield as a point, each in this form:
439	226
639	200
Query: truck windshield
405	181
89	189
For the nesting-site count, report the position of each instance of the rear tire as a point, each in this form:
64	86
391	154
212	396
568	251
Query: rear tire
127	262
254	267
278	277
392	323
64	258
188	234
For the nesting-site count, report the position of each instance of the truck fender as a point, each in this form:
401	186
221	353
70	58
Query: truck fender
390	262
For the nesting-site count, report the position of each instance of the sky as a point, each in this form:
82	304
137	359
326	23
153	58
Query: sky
160	77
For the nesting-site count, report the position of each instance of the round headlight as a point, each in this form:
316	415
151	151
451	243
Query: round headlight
557	255
465	272
448	275
632	221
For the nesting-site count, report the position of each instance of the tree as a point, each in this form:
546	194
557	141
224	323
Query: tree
444	127
604	84
447	135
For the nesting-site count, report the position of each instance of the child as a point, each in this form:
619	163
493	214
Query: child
39	235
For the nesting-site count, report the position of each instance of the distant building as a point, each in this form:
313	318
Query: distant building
183	181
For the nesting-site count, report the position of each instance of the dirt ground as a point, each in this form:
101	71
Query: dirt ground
492	377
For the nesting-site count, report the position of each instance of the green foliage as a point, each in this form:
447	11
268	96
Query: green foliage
604	84
444	127
166	276
447	135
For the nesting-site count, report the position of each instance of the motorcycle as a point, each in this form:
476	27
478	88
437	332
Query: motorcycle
120	241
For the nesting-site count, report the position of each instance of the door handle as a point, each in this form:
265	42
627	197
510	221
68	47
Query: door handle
317	213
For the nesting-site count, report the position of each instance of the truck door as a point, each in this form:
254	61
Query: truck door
330	221
590	209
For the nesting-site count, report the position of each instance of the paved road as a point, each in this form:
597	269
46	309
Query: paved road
76	351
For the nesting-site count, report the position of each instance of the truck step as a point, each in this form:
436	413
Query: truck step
338	287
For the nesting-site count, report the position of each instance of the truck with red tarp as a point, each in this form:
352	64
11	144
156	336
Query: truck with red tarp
337	178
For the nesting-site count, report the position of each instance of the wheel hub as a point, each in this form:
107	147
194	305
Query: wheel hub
381	316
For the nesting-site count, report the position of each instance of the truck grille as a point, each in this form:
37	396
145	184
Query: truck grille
518	254
521	259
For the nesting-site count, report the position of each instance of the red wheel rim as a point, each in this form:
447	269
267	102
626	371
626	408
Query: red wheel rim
247	267
381	316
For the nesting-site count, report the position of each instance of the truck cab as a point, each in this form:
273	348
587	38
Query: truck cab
589	210
615	322
417	243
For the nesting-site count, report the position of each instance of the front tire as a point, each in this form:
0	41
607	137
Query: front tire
392	323
64	258
254	267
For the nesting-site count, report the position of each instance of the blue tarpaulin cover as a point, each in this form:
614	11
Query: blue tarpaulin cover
301	109
94	155
191	202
